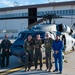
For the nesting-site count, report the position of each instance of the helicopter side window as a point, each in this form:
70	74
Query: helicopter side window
73	36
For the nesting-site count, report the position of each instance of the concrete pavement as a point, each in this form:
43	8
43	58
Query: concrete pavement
68	68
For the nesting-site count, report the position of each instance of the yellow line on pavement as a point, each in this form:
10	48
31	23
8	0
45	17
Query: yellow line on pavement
68	52
11	71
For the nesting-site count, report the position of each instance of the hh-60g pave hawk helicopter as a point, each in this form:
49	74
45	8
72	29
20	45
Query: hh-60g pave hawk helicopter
36	28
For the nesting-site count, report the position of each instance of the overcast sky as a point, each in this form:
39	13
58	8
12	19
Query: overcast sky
12	3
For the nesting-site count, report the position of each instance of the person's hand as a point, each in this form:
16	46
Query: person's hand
56	52
26	53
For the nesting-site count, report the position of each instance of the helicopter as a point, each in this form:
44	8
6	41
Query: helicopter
37	28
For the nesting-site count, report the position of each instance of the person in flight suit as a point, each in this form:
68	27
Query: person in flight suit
58	47
48	48
0	57
29	47
5	45
0	61
38	53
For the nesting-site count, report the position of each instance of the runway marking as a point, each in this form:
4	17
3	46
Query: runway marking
11	70
68	52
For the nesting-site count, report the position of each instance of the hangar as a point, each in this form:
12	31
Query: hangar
16	19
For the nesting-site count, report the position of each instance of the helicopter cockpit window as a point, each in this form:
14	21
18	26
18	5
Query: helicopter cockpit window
21	35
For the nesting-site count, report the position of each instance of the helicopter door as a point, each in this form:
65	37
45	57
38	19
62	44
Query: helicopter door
64	42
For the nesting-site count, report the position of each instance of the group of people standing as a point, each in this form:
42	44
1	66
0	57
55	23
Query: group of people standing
31	44
33	52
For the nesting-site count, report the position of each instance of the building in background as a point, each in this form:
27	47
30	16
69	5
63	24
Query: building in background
16	19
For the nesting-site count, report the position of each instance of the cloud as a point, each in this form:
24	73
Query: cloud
12	3
26	3
6	2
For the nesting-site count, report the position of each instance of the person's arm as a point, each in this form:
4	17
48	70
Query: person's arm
32	44
9	44
54	46
2	47
25	47
61	46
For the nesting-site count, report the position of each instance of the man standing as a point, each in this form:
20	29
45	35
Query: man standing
58	47
0	57
5	45
0	61
28	46
48	48
38	53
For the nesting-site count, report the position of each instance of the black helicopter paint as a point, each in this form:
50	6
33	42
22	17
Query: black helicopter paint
34	29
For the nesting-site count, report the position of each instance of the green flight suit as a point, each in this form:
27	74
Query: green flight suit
38	53
48	49
28	46
0	57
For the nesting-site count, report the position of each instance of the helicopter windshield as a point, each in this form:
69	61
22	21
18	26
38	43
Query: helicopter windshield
28	34
25	35
42	34
21	35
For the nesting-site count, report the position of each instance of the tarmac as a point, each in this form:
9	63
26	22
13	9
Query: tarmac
17	68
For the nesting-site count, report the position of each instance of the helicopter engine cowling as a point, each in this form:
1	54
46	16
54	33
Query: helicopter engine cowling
64	28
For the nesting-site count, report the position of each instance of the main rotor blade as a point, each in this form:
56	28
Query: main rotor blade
67	17
37	22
